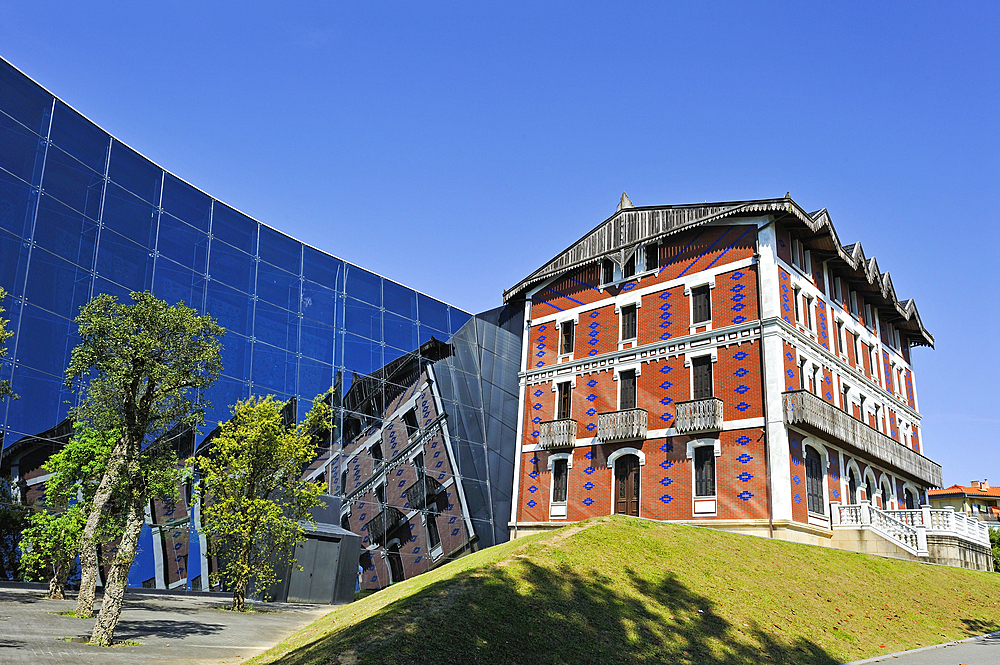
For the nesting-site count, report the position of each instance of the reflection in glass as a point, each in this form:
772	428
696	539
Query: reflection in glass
228	264
124	262
129	216
182	243
232	309
56	284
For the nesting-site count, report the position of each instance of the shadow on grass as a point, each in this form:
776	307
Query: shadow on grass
543	615
977	627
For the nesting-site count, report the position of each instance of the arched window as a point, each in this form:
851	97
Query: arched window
908	499
885	497
395	563
814	481
852	486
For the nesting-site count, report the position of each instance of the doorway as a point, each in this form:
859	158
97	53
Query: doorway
627	485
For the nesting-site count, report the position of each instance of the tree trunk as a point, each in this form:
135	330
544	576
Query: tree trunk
88	539
57	583
114	590
239	597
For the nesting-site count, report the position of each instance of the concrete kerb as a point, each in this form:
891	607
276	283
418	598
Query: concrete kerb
876	659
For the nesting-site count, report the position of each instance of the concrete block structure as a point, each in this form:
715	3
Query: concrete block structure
730	365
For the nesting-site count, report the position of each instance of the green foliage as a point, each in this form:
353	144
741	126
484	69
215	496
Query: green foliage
78	466
50	543
995	545
5	388
13	520
252	476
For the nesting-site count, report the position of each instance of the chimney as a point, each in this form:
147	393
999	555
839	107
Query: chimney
985	485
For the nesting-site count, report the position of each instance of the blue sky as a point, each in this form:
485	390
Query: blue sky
456	148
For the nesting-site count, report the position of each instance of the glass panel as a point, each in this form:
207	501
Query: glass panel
102	285
400	332
364	285
458	319
321	268
390	353
361	355
317	341
24	99
231	266
135	173
45	340
174	283
280	250
72	183
232	309
185	202
273	369
57	285
277	286
223	394
80	137
129	216
43	402
362	319
315	378
23	151
65	232
124	262
424	334
320	303
236	355
234	228
399	299
276	326
182	243
433	313
17	204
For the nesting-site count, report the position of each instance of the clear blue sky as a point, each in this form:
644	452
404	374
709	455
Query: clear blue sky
456	148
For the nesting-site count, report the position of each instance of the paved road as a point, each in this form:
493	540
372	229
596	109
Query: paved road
984	651
170	629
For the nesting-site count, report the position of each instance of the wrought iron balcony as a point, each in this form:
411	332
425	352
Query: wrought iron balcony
814	415
423	492
624	425
698	415
380	526
557	434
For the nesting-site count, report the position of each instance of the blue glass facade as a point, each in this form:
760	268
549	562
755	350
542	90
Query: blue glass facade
83	214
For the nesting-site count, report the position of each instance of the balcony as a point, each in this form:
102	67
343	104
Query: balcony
812	414
557	434
383	524
423	493
698	415
624	425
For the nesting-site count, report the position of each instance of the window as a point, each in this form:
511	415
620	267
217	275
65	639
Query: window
343	482
815	380
854	303
626	382
845	399
808	313
885	497
345	521
814	482
564	399
628	322
652	256
376	451
908	498
560	478
840	337
566	345
410	420
838	290
607	271
395	563
628	270
801	257
704	471
701	304
803	381
433	537
702	370
418	463
795	302
380	493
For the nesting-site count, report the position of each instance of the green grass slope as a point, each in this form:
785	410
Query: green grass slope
622	590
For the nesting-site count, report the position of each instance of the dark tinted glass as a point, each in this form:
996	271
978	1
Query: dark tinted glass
124	262
234	310
17	202
72	183
276	326
433	313
130	216
234	228
363	285
174	283
229	265
235	354
23	151
185	202
322	268
65	232
317	341
277	286
45	340
280	250
273	369
399	299
102	285
42	404
315	378
361	355
399	332
182	243
363	319
56	284
320	303
25	100
704	471
135	173
80	137
458	319
702	367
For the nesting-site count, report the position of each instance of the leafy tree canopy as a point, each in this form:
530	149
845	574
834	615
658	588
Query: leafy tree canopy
5	387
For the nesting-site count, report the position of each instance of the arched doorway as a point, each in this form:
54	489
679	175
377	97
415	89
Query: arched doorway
908	498
627	485
852	486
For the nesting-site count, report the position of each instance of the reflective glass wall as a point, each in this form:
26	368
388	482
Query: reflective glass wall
83	214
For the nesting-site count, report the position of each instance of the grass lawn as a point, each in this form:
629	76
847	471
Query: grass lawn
622	590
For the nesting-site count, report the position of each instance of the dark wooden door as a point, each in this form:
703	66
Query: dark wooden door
627	485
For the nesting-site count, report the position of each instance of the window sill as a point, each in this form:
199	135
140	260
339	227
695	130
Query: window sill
704	506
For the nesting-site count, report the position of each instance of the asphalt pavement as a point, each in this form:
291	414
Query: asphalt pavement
974	651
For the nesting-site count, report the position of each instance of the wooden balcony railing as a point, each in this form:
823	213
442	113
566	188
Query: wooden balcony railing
557	434
624	425
698	415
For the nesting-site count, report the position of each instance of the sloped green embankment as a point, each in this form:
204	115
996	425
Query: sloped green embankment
616	590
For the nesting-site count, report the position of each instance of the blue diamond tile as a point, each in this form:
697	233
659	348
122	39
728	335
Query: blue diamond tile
591	412
745	495
536	420
539	393
592	352
836	493
591	397
540	354
536	434
666	498
537	407
532	489
666	417
740	389
532	503
665	369
796	479
738	297
533	474
534	460
592	383
742	406
745	477
589	455
591	427
594	315
743	440
739	319
666	464
798	498
589	470
741	372
666	482
744	458
588	501
666	385
665	401
738	307
736	275
667	447
588	486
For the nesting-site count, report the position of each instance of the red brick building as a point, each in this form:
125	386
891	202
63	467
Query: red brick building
727	364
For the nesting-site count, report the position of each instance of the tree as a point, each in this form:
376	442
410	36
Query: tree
5	387
252	474
995	546
49	545
13	520
138	369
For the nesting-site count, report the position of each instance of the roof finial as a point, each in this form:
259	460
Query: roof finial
788	195
625	202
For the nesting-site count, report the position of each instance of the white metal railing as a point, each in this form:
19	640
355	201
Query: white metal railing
625	425
557	434
910	528
698	415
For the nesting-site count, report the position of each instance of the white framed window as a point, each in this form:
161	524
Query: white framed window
566	333
703	453
559	465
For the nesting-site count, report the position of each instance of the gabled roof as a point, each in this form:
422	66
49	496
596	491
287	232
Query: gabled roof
619	236
964	490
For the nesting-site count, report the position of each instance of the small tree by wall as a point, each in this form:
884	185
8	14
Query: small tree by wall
258	501
49	545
